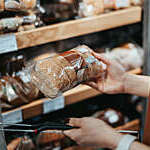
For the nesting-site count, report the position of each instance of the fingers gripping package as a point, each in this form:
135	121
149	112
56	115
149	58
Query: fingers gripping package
66	70
17	5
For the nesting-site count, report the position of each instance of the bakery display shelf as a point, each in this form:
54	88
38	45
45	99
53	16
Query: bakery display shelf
45	105
78	27
132	125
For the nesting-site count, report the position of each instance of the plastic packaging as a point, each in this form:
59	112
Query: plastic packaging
111	116
17	90
50	141
89	8
17	5
130	56
66	70
12	24
26	143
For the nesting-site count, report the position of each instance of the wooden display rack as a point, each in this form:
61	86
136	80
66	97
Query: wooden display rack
78	27
67	30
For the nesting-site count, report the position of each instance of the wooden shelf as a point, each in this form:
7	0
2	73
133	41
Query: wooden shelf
78	27
77	94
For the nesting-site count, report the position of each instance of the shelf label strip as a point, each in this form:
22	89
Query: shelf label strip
12	117
8	43
51	105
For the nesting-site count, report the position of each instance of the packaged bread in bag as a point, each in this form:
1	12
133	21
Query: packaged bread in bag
89	8
17	5
66	70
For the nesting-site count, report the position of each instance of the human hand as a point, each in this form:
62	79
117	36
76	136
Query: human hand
114	81
93	132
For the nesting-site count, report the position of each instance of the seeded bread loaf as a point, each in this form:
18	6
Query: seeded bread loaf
66	70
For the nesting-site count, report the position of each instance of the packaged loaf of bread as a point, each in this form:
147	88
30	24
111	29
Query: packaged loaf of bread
129	55
13	144
57	12
89	8
111	116
118	4
64	71
12	24
49	141
25	143
17	5
17	90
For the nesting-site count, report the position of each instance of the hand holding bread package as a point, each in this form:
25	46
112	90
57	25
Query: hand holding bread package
66	70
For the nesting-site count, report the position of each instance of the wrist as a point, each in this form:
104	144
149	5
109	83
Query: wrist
136	84
125	85
116	138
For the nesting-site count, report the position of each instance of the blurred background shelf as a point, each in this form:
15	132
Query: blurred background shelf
78	27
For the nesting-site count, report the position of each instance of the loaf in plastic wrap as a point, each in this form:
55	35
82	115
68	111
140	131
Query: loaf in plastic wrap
89	8
17	90
130	56
17	5
12	24
66	70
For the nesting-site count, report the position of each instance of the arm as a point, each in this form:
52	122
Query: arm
137	85
96	133
118	81
139	146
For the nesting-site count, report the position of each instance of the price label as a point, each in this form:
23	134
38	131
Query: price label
8	43
12	117
51	105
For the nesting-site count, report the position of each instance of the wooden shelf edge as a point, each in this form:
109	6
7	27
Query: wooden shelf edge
133	125
78	27
77	94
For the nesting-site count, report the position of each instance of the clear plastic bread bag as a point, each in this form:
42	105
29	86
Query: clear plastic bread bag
130	56
64	71
17	5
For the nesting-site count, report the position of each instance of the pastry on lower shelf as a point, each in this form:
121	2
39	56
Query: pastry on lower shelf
13	144
111	116
26	143
17	5
130	56
66	70
49	140
52	141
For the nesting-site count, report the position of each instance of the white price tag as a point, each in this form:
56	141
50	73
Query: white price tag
12	117
51	105
8	43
